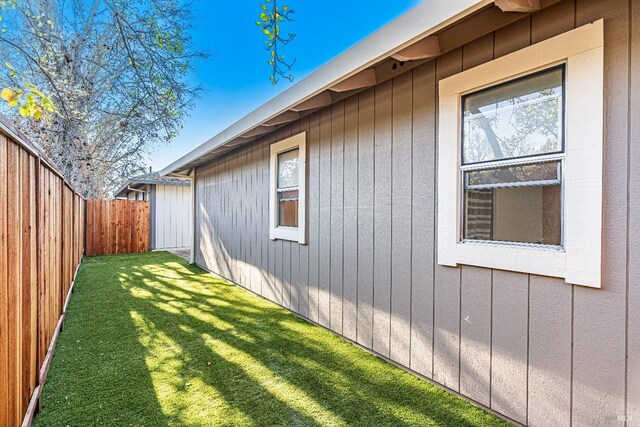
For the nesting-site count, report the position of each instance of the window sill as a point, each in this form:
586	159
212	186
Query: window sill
292	234
532	259
539	246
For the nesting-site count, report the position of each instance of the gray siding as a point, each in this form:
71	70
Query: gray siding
633	272
532	348
171	216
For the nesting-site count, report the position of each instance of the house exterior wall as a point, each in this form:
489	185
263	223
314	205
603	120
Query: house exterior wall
532	348
172	210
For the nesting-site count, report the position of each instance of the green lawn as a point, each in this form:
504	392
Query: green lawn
150	340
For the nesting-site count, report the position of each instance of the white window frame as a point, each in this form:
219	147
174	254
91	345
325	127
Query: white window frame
299	233
579	260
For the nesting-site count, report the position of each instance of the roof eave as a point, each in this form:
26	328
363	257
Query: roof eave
124	189
423	20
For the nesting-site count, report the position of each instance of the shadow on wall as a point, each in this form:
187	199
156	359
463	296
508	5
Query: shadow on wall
452	367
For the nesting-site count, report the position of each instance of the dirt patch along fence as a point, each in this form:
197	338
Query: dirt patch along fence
41	245
118	226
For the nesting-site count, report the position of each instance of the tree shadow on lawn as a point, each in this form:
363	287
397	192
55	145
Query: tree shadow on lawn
267	366
207	352
98	375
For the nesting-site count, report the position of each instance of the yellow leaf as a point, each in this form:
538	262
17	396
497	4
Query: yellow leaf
24	111
37	115
7	94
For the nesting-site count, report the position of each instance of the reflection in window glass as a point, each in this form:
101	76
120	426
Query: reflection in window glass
515	119
288	188
288	169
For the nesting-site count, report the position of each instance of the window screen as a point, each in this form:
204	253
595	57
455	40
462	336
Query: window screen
512	155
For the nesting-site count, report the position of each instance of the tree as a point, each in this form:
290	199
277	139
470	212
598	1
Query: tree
271	20
117	74
26	97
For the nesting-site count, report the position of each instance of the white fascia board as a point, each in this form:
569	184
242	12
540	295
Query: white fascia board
424	19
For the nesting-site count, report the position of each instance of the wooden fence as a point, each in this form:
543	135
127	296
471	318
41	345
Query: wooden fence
118	226
41	245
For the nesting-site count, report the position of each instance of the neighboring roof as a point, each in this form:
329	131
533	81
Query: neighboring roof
150	178
328	81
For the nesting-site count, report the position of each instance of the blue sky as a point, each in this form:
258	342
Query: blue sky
235	77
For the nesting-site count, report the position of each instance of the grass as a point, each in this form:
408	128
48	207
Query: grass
151	340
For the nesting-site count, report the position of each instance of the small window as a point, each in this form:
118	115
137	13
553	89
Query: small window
287	212
512	155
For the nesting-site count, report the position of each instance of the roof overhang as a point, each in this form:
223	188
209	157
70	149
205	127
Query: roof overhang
411	37
134	183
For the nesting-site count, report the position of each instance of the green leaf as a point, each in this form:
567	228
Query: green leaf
37	93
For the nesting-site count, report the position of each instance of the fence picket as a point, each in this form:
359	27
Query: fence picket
39	254
117	226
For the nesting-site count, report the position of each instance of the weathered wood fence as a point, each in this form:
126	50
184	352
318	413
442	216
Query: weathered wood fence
41	245
118	226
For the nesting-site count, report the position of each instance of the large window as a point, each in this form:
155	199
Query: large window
288	174
520	154
512	143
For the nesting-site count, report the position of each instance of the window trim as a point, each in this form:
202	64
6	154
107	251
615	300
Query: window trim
579	261
277	232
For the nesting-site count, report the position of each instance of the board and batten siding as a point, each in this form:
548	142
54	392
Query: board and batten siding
172	213
532	348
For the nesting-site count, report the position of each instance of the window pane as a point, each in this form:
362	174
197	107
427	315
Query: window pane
514	174
288	169
518	214
288	208
516	119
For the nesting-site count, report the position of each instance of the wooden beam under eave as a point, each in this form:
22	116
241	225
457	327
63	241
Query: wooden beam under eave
428	47
483	23
361	80
256	131
519	5
286	117
235	142
320	100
